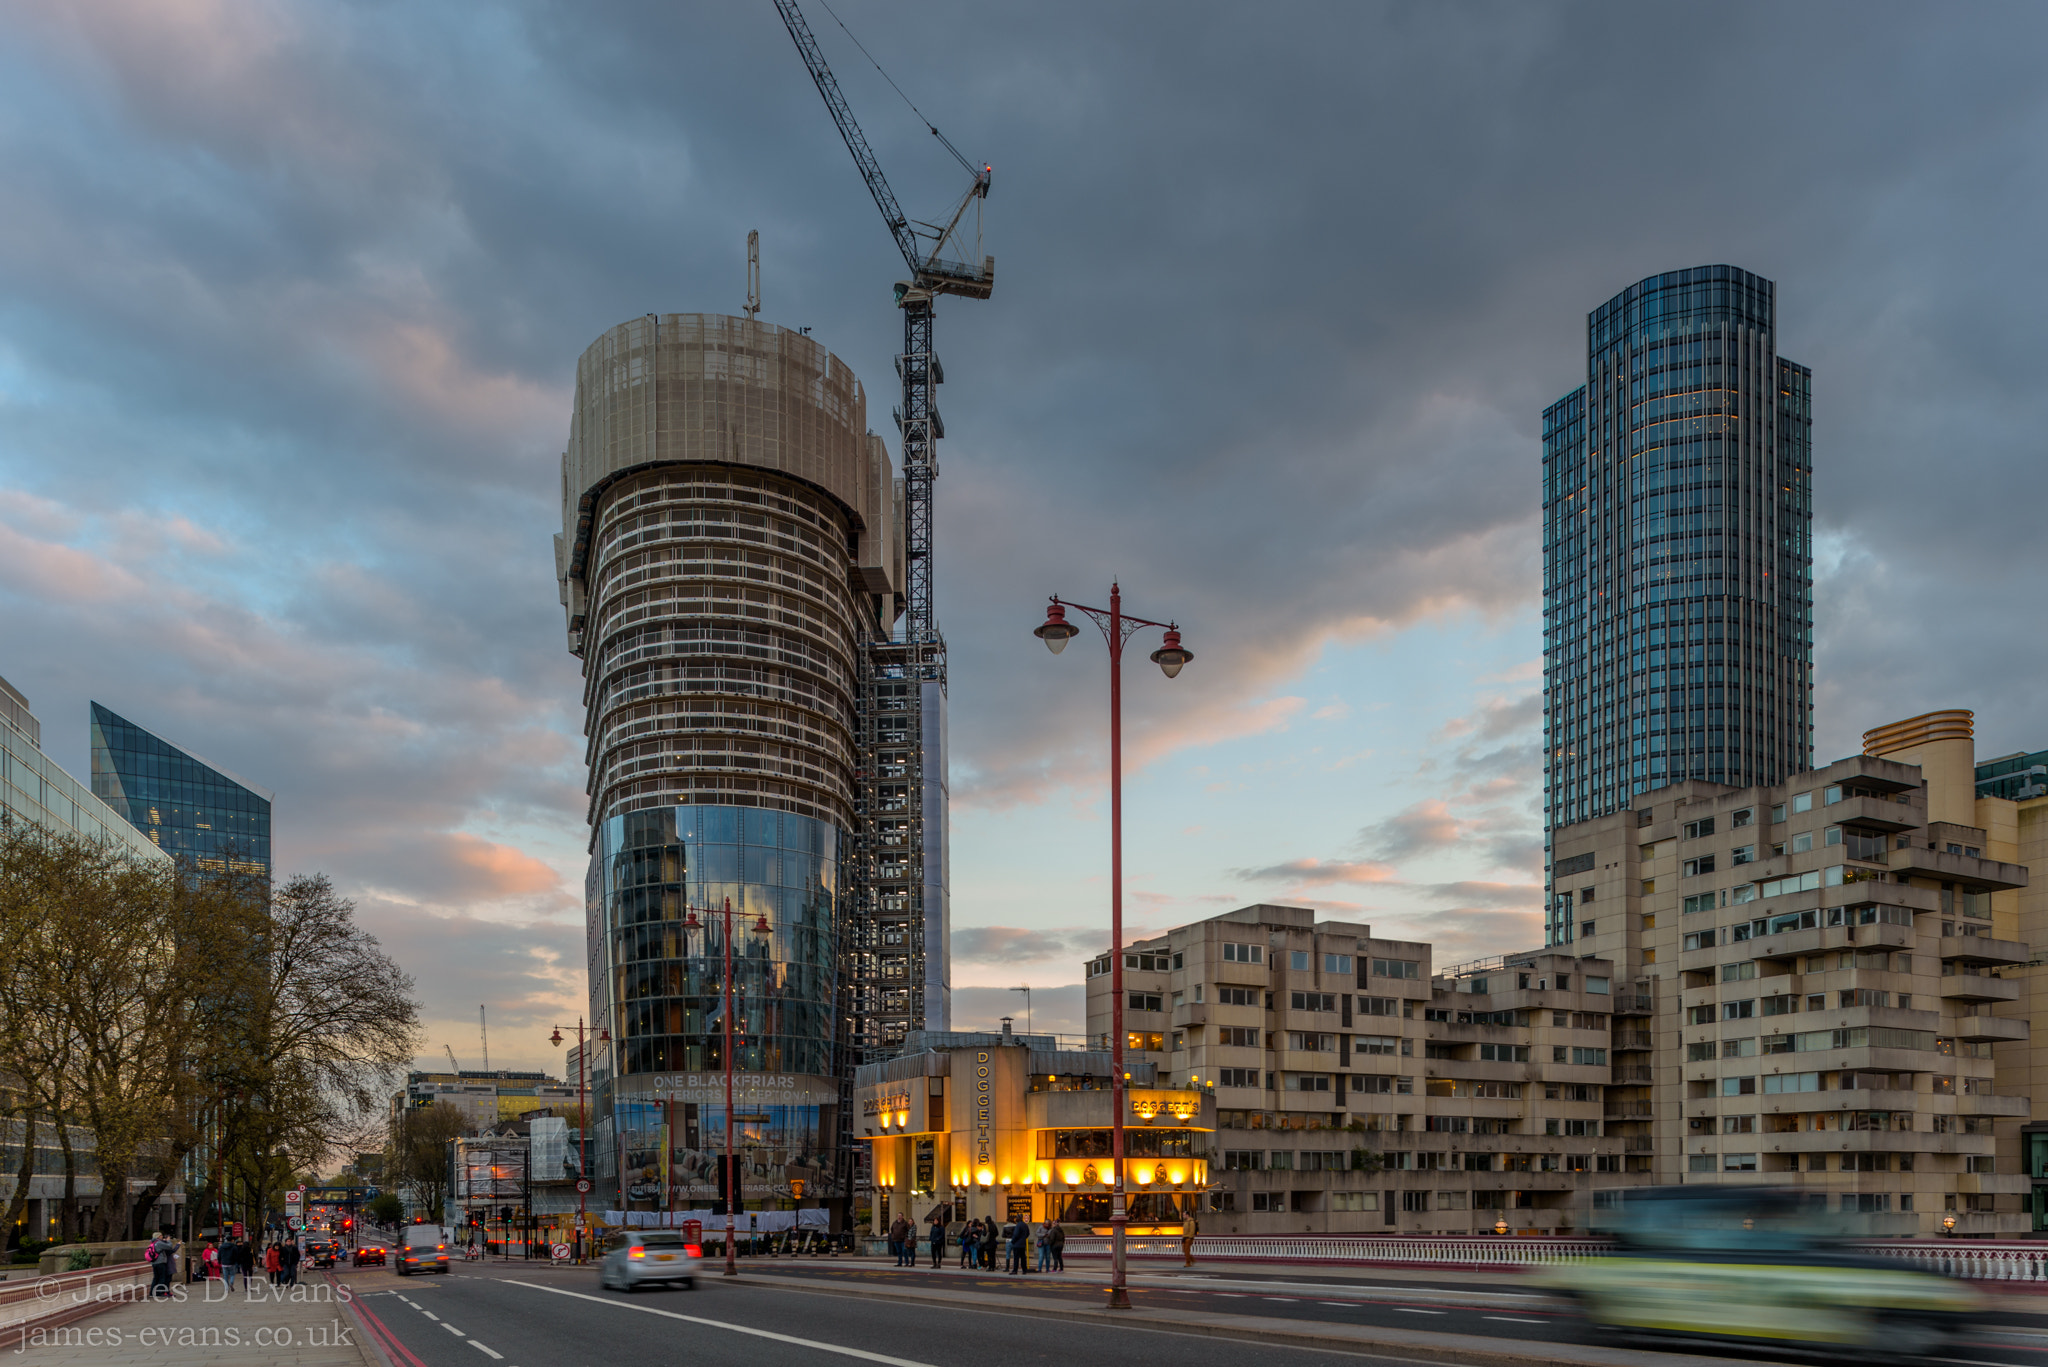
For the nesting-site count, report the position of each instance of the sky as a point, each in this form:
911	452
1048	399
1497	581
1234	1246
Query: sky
291	297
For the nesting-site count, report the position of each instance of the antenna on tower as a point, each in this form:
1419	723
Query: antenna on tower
754	273
483	1026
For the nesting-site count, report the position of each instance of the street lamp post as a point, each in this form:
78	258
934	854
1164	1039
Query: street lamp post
582	1118
732	1177
1117	628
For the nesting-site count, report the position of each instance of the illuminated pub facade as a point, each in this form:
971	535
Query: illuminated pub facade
1010	1126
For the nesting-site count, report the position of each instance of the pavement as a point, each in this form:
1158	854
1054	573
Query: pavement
309	1325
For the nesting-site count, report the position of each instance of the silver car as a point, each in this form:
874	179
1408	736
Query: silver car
650	1257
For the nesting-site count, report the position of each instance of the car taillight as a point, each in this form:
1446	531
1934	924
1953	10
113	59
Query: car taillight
636	1251
440	1248
693	1250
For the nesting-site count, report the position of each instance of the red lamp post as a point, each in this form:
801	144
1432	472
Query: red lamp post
1117	628
583	1116
732	1176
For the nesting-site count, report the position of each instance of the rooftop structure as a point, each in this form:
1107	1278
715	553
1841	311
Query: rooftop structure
184	805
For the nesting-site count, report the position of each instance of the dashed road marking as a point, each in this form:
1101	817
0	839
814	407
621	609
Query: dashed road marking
748	1330
1411	1310
1510	1319
480	1348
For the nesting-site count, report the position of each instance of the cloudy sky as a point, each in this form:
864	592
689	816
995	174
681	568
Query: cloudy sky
291	297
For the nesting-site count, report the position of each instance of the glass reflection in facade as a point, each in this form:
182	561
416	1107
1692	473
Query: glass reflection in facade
1677	554
186	807
664	985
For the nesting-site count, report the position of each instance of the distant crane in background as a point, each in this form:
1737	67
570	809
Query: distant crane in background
484	1028
451	1058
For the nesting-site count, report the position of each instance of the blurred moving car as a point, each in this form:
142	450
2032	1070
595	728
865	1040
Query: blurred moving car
422	1248
1757	1265
321	1253
369	1257
650	1257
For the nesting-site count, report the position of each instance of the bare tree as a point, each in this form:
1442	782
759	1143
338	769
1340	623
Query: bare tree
420	1153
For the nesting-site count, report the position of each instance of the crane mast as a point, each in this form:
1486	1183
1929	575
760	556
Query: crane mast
895	974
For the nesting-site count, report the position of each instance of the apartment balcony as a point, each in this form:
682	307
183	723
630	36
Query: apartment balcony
1634	1004
1989	1029
1976	987
1630	1110
1878	814
1993	1184
1191	1013
1983	1103
1982	949
1921	862
1632	1074
1638	1144
1629	1041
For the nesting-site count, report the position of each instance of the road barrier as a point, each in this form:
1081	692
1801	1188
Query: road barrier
45	1302
1972	1261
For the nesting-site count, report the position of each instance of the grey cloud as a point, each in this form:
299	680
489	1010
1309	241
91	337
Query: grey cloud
1017	945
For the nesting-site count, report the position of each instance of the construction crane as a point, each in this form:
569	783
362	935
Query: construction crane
451	1058
932	273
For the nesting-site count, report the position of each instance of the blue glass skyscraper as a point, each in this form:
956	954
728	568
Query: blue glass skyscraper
186	807
1677	554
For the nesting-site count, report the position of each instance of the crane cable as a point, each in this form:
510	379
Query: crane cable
972	169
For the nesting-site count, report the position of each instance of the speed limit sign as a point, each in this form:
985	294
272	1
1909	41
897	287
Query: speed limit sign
583	1185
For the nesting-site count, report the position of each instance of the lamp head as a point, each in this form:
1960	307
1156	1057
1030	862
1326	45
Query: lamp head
556	1039
1171	656
693	923
1056	630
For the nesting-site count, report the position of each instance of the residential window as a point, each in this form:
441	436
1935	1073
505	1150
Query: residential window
1379	1006
1312	1001
1802	802
1309	1042
1237	996
1737	1011
1738	972
1585	927
1831	794
1802	842
1744	1047
1395	968
1743	854
1742	816
1738	1162
1244	954
1375	1044
1699	1162
1695	867
1238	1037
1308	1082
1244	1160
1237	1077
1503	1053
1738	1124
1738	1086
1297	960
1703	939
1336	963
1778	812
1145	1001
1701	1052
1694	830
1141	1041
1589	1058
1269	1200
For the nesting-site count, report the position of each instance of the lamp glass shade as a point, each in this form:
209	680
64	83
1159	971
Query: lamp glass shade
1056	630
1171	656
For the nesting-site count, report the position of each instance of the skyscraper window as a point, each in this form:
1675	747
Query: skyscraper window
187	807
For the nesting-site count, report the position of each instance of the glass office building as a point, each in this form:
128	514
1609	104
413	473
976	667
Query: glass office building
1677	554
186	807
34	788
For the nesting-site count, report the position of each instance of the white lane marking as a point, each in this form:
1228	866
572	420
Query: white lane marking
1411	1310
428	1313
453	1330
1289	1299
1346	1304
480	1348
841	1349
1509	1319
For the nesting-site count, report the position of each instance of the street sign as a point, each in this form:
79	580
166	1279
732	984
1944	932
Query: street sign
583	1185
292	1198
561	1252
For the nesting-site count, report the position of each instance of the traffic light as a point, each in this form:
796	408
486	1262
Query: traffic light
505	1213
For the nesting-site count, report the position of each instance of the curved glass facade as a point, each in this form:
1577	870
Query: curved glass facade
665	984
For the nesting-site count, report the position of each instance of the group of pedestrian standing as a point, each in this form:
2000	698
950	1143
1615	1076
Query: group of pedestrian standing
226	1261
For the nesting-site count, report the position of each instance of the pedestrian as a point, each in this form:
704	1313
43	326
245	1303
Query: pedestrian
288	1262
270	1262
209	1262
1014	1234
161	1253
988	1244
969	1234
1189	1226
1058	1240
247	1249
897	1233
230	1262
938	1237
1045	1247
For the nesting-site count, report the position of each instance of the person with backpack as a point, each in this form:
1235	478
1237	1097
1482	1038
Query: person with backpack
163	1263
209	1262
1056	1237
